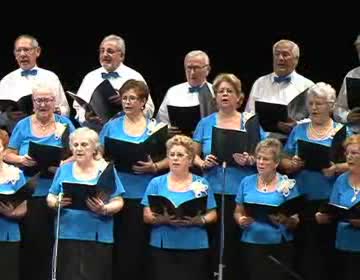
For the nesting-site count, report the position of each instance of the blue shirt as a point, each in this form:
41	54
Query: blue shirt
134	184
21	137
82	224
177	237
9	228
214	175
347	236
261	231
312	183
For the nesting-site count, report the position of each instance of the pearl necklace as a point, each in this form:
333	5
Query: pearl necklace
322	134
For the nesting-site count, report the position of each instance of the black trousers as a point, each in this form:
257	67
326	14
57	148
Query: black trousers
9	260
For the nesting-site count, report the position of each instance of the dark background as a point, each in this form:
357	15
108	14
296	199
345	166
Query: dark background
72	51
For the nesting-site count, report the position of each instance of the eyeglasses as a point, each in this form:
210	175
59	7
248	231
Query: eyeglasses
25	50
130	98
195	68
172	155
46	101
352	153
225	90
109	51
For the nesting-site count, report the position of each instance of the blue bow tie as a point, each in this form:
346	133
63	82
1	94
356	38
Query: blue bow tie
194	89
26	73
110	75
283	79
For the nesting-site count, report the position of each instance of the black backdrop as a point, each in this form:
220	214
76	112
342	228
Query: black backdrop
158	54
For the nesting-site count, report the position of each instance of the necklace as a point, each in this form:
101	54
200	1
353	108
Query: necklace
43	127
264	186
321	133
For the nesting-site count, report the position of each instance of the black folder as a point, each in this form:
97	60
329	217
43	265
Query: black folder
126	154
337	151
353	92
226	142
270	114
191	208
341	212
260	211
45	156
185	118
99	101
24	104
103	189
22	194
316	156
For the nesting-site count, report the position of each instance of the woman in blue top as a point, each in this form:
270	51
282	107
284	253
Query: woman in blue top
315	250
86	235
131	234
229	97
346	193
179	247
43	127
11	180
264	235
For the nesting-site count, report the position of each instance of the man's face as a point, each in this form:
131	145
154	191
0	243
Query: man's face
284	60
196	70
110	55
25	54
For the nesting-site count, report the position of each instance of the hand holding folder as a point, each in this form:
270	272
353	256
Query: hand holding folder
191	208
22	194
340	212
79	193
184	118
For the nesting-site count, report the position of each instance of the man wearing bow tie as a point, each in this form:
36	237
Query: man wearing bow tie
21	82
195	91
283	85
111	58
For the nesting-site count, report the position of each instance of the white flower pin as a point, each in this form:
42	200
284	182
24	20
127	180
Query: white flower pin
285	185
199	188
59	130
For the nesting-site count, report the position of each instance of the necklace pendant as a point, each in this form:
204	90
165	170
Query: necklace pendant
264	189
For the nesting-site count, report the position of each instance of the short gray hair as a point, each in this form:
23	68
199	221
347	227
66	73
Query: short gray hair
119	41
90	135
198	53
272	144
323	90
34	41
294	47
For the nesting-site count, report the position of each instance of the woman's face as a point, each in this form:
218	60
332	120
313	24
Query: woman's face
226	97
265	162
353	156
83	150
179	159
44	104
319	109
131	103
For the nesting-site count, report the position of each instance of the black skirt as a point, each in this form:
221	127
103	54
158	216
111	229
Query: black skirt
131	237
349	265
179	264
231	257
260	266
9	260
37	234
87	260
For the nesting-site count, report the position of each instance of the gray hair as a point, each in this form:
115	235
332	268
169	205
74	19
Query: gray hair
323	90
34	41
272	144
90	135
198	53
294	47
119	41
43	88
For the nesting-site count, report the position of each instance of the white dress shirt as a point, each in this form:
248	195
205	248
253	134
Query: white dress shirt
179	95
266	90
14	86
341	109
94	78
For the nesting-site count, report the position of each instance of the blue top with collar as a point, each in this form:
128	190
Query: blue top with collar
23	134
134	184
214	175
83	224
177	237
262	231
9	228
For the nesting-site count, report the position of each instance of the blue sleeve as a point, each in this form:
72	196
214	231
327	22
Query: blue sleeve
55	187
199	132
335	194
119	186
104	132
263	134
151	189
17	137
240	193
290	146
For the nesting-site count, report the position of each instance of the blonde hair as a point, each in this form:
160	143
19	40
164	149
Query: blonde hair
271	144
231	79
353	139
184	141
